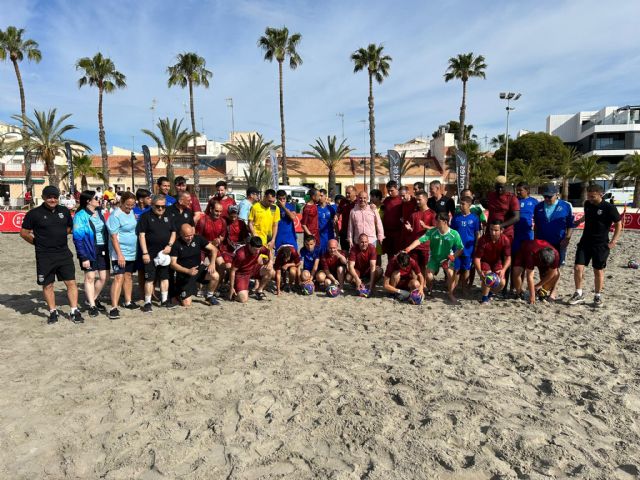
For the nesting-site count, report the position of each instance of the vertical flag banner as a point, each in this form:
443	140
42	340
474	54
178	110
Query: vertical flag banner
68	153
462	170
148	168
274	169
394	165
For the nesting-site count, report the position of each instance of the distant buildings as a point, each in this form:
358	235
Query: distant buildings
611	133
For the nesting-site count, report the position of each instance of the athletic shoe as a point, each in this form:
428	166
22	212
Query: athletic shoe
211	300
130	306
76	317
576	299
168	305
53	317
100	306
114	314
146	308
93	311
597	301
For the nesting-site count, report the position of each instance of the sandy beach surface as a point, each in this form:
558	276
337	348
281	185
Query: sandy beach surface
320	388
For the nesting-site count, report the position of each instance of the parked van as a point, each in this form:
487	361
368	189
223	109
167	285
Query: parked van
296	192
621	196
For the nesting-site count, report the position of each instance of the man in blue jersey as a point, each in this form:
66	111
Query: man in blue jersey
553	220
143	202
326	216
286	228
164	185
469	228
523	229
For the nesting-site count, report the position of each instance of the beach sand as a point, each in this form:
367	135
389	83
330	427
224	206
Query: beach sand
314	387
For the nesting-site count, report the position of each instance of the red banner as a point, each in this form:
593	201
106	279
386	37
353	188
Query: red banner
11	221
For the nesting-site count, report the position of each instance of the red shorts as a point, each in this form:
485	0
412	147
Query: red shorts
495	268
420	256
242	281
227	256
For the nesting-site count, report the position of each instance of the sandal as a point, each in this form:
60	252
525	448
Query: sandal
260	295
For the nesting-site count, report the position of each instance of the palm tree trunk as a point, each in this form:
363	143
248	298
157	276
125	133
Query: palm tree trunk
25	137
285	178
372	137
196	170
565	188
83	182
583	193
170	174
51	171
103	140
463	110
332	180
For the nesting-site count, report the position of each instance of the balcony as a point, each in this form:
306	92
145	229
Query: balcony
16	170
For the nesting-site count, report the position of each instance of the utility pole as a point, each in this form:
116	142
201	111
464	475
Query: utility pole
233	126
341	115
153	113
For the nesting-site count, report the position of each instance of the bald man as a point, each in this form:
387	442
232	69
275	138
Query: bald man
189	269
333	265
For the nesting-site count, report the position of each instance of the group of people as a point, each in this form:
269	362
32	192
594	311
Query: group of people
241	251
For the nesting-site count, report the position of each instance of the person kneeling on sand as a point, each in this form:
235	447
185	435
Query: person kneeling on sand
493	254
333	265
532	254
363	267
286	267
402	276
253	261
189	269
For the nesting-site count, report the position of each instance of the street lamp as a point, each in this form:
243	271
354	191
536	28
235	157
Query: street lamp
508	96
133	161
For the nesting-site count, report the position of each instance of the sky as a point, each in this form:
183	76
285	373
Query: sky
563	56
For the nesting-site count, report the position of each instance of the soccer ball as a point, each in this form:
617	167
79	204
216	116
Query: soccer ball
308	288
416	297
333	291
492	280
364	292
633	264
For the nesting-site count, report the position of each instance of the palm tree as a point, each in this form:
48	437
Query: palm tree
172	140
46	138
629	169
464	67
254	152
405	165
587	169
377	66
499	140
278	44
189	71
13	46
531	173
330	156
83	168
564	168
101	72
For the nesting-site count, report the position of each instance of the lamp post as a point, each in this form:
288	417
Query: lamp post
508	96
133	161
233	126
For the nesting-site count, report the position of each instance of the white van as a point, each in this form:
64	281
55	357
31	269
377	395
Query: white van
621	196
295	191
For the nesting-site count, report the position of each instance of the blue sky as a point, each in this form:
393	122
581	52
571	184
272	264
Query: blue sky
564	56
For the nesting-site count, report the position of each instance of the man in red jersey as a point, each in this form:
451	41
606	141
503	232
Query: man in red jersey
309	219
223	199
213	228
537	253
409	205
344	210
503	206
253	261
419	222
391	220
237	235
363	265
492	254
286	264
402	276
333	265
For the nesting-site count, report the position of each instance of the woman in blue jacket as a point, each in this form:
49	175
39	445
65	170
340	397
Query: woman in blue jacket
91	238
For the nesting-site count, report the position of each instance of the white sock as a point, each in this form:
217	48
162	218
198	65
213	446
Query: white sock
54	310
597	294
74	310
579	291
164	296
147	299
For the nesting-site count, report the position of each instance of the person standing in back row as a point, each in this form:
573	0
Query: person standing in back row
47	227
438	201
594	246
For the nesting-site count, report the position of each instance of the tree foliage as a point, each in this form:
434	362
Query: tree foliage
330	154
629	169
587	169
253	152
172	140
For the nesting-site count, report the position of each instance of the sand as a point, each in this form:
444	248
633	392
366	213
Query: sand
314	388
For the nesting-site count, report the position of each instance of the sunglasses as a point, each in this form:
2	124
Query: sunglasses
160	207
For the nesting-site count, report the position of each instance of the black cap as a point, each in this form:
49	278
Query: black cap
179	180
549	190
50	191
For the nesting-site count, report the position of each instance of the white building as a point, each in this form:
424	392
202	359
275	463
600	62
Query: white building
611	133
